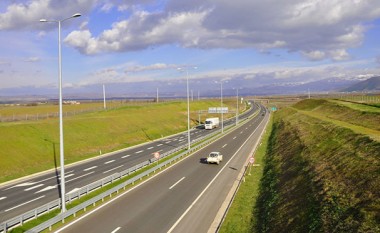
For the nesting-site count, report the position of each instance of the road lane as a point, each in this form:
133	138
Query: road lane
153	207
15	194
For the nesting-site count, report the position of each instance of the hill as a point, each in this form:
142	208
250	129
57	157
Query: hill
371	84
322	171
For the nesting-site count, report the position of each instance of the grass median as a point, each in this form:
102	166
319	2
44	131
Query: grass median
241	215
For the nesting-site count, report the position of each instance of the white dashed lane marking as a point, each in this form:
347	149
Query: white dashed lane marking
176	183
111	161
90	168
34	187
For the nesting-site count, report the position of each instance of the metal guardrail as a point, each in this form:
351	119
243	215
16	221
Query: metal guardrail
32	214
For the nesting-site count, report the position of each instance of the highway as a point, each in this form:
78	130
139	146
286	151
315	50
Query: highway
18	197
184	198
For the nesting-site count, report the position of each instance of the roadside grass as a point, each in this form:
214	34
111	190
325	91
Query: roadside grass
358	119
318	176
33	146
358	106
32	223
240	217
50	108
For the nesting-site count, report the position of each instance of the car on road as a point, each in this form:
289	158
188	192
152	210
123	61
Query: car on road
214	157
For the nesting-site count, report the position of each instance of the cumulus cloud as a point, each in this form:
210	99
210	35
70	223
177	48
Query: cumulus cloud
20	16
317	29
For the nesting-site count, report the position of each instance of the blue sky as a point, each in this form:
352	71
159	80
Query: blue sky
130	40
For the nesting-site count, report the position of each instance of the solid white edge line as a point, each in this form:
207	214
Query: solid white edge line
176	183
117	197
114	231
212	181
113	169
35	199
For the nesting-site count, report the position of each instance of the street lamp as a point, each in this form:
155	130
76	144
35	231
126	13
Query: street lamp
62	160
188	101
221	103
237	105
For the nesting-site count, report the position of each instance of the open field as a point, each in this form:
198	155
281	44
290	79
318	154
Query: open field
32	146
321	172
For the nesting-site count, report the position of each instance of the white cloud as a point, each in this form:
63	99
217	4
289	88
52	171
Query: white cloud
315	55
19	16
319	29
32	59
128	72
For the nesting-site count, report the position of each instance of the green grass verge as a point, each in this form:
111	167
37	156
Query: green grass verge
241	215
318	176
32	223
28	147
321	173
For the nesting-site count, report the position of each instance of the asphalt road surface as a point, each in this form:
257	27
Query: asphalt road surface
19	197
183	198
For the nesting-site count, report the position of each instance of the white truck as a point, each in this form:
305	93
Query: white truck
211	123
214	157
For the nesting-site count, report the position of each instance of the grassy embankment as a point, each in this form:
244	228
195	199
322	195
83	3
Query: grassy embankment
32	146
321	171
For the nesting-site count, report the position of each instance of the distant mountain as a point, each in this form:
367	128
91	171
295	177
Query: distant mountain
371	84
176	88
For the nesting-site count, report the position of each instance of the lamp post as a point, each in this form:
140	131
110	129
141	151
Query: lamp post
61	151
221	103
188	103
237	106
